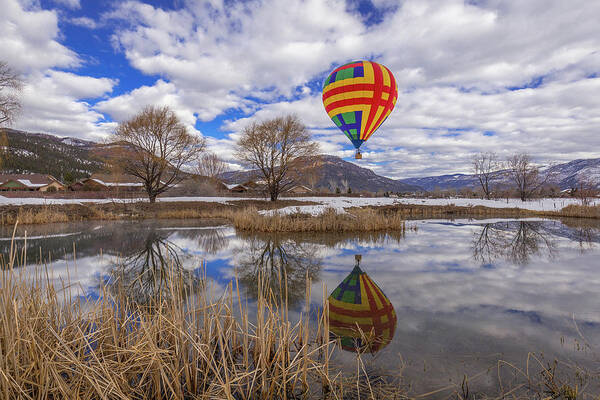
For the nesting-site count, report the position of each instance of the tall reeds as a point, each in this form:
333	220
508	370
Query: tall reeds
329	221
189	342
41	215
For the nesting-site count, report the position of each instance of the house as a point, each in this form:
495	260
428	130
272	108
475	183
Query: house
299	189
29	182
236	188
108	182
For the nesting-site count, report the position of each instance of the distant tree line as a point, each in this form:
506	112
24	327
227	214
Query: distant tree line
520	177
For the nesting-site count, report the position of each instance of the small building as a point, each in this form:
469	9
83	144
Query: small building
299	189
236	188
107	182
29	182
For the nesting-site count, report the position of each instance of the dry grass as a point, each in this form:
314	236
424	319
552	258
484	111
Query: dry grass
244	215
42	215
579	211
329	221
186	344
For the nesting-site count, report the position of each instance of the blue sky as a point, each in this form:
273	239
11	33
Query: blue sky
502	76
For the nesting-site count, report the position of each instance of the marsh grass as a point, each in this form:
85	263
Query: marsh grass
188	343
579	211
329	221
42	215
244	214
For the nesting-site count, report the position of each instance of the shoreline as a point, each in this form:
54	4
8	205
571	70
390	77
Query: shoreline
291	214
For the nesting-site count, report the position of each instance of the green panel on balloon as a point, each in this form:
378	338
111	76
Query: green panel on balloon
354	133
344	74
336	120
349	117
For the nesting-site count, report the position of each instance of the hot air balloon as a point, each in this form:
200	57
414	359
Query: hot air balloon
358	97
360	315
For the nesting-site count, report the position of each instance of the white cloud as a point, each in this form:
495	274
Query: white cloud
53	101
73	4
28	38
84	22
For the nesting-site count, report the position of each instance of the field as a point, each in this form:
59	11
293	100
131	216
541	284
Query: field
300	214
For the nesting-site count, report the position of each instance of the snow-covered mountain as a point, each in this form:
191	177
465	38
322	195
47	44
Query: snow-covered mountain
574	173
65	158
443	182
566	176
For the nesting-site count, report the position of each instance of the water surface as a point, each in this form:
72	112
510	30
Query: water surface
465	294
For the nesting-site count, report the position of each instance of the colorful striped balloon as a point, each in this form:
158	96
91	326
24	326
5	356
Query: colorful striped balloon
359	303
358	97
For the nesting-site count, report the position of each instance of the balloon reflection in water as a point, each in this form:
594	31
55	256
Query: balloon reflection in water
360	315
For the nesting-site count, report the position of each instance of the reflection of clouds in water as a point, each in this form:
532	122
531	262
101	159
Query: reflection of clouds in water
450	304
81	276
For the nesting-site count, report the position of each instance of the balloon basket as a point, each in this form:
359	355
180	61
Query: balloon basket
358	155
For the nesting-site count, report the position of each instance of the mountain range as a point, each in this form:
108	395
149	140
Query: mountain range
334	173
70	159
565	176
64	158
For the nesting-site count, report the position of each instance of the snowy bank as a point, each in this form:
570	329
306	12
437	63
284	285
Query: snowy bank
337	203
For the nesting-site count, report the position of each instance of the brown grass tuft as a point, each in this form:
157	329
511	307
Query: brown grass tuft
329	221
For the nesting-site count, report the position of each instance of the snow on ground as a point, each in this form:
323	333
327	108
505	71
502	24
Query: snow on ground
337	203
340	203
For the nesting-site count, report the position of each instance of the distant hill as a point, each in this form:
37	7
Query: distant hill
24	152
443	182
565	176
332	171
572	174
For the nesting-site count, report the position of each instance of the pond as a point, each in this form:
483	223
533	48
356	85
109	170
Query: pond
465	296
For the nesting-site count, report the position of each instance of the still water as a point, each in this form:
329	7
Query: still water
465	294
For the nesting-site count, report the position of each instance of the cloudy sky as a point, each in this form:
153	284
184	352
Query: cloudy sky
473	75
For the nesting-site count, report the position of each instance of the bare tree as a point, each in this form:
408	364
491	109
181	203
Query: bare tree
585	191
155	147
274	148
211	165
332	185
344	185
10	85
486	167
526	176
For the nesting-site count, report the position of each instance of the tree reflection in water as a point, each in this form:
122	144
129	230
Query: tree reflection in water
153	271
279	264
210	240
515	241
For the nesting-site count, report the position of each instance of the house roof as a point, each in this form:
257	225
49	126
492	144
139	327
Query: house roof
306	188
29	180
116	180
234	185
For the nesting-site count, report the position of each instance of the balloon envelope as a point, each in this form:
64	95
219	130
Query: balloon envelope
358	97
359	303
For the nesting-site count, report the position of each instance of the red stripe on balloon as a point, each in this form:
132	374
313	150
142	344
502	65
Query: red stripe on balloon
349	102
353	88
359	313
378	89
357	64
389	104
